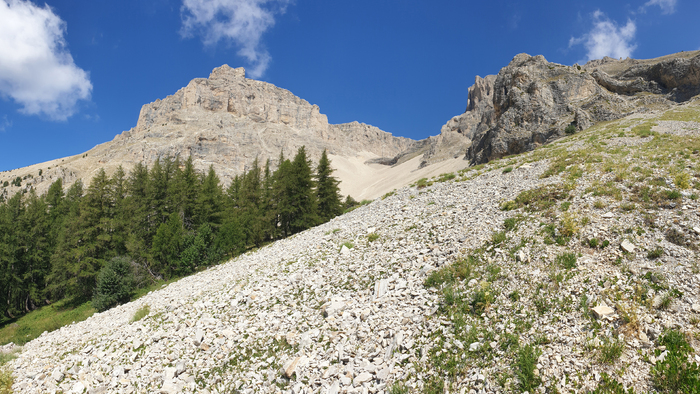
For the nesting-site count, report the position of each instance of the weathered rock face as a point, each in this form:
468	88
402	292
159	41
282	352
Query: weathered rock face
226	121
531	101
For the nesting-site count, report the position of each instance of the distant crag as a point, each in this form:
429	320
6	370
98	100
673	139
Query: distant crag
532	101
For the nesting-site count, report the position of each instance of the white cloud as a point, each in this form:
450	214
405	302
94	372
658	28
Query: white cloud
36	69
667	6
5	124
241	22
606	38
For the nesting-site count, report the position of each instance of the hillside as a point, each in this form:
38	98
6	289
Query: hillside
569	268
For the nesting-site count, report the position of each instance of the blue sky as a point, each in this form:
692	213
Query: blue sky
73	74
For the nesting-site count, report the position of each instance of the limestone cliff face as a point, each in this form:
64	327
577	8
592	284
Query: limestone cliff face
531	101
226	121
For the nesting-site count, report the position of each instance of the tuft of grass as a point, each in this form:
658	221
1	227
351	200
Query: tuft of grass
682	180
347	244
525	363
540	198
372	237
507	170
498	237
388	194
141	313
567	260
655	253
610	351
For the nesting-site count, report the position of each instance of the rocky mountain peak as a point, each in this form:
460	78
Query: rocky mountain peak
532	101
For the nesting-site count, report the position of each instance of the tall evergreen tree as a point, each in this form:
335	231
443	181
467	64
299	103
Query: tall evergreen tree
327	191
301	197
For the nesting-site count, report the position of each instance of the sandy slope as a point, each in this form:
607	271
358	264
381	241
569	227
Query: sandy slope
369	181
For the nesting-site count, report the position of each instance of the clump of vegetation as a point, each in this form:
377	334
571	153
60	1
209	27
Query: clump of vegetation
675	373
372	237
348	245
6	381
538	199
655	253
567	260
570	129
609	385
525	364
610	351
141	313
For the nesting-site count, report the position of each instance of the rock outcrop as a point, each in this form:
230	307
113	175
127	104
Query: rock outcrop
532	101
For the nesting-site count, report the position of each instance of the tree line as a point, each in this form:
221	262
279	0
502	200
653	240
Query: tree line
126	231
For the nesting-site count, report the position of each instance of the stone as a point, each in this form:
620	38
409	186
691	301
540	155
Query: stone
380	288
291	365
627	246
344	250
602	311
608	215
78	388
474	346
362	378
695	308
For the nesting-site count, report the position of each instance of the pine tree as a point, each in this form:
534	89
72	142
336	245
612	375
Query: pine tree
327	191
210	200
167	245
301	198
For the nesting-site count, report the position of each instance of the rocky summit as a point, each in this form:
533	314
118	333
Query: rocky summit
570	268
226	121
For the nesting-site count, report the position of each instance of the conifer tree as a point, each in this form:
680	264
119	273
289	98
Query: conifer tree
301	198
327	191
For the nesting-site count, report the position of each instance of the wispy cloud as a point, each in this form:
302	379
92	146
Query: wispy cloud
607	38
667	6
238	22
36	69
4	124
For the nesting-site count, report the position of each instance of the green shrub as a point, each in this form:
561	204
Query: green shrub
610	351
507	169
570	129
525	364
115	282
372	237
676	374
567	260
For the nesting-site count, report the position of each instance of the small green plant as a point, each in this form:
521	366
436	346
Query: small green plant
514	295
507	170
682	180
422	183
655	253
567	260
141	313
593	243
388	194
372	237
676	374
570	129
399	388
481	299
498	237
610	351
510	224
609	385
677	237
525	364
347	244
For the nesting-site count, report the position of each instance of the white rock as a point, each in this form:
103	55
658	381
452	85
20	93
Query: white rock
627	246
